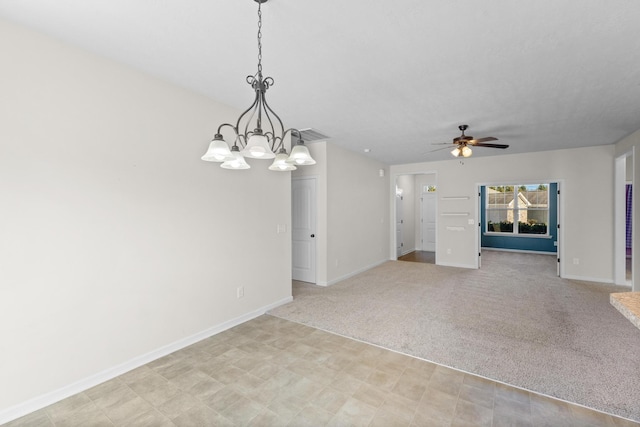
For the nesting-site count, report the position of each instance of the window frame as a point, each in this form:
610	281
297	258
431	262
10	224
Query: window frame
515	232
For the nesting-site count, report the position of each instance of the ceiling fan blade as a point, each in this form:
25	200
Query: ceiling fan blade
438	149
480	144
488	138
442	143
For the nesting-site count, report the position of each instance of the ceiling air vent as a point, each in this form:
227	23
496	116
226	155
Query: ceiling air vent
310	135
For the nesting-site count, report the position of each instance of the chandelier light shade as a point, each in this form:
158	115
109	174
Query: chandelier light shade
218	150
235	161
280	163
259	132
300	155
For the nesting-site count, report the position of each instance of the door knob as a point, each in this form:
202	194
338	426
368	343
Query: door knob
313	235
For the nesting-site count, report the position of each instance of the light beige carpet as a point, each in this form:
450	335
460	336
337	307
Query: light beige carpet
513	321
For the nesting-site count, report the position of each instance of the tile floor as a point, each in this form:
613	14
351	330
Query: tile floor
272	372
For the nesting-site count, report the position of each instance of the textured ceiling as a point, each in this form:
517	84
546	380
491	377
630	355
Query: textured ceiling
391	76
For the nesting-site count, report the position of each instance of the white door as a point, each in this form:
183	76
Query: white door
399	222
428	221
303	229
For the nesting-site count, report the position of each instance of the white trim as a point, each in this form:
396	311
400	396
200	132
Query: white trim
44	400
620	218
454	198
512	235
452	264
524	251
590	279
353	273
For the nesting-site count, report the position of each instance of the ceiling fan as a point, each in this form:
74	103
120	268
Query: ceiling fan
464	142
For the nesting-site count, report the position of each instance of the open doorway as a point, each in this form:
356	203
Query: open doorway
522	217
416	217
623	224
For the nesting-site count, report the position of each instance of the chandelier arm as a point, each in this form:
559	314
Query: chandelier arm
276	141
235	129
245	133
292	131
281	130
244	113
242	139
260	96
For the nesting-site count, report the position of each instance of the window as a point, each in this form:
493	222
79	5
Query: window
526	205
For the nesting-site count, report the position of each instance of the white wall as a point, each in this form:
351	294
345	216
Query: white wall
116	239
357	213
352	203
584	174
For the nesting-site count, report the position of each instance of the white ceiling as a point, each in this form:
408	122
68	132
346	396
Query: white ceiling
392	76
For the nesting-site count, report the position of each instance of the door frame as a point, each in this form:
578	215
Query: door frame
313	179
392	210
399	230
560	215
619	240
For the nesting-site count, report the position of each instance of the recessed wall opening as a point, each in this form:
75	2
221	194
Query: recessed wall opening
415	217
519	216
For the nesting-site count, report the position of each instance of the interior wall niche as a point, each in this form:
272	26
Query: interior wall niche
510	239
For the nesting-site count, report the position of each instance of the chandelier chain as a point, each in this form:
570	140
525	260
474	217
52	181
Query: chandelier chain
259	39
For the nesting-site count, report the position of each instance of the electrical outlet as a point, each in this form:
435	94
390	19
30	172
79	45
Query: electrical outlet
449	251
576	261
240	291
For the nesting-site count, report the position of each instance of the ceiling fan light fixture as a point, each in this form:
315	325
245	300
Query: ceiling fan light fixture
463	143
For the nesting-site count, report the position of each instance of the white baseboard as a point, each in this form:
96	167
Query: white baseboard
453	264
39	402
519	251
353	273
588	279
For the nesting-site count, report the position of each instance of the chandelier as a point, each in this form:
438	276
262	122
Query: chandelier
259	132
